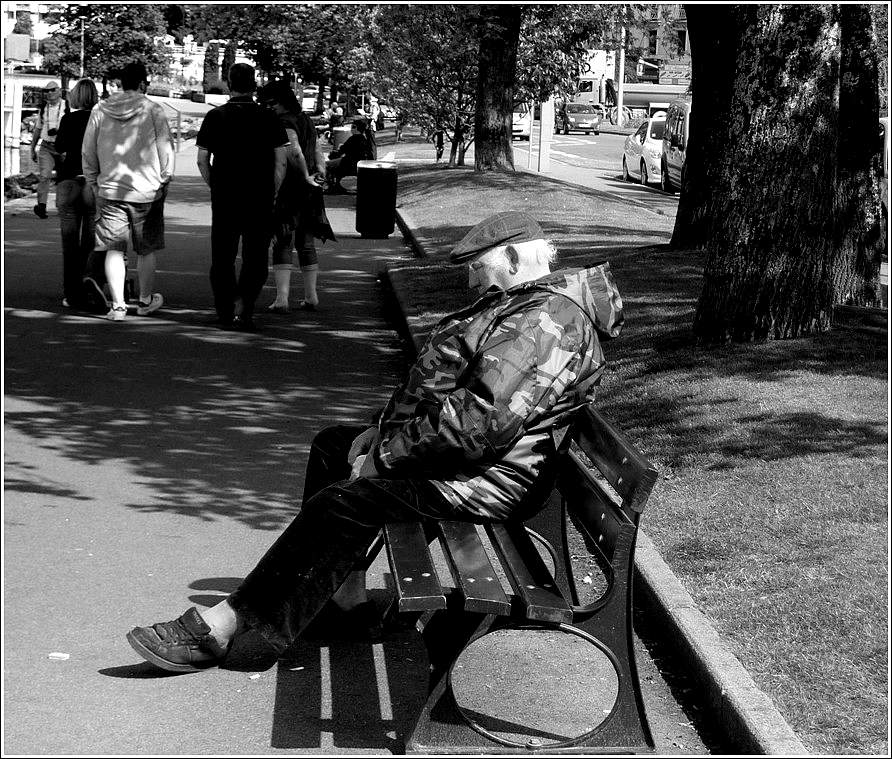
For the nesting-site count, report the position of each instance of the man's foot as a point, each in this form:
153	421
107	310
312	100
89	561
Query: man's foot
155	302
362	622
117	314
305	305
243	324
40	210
183	645
95	296
278	308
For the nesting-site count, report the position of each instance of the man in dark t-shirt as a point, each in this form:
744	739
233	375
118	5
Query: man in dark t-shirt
242	157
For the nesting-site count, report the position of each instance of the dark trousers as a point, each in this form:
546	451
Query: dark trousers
77	221
230	225
338	522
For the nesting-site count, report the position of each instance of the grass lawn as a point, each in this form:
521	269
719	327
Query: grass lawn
773	498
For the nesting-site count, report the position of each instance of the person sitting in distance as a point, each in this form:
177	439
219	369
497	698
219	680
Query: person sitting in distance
342	162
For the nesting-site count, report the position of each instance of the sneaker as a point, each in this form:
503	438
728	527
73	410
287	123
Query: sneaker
183	645
95	295
144	309
117	314
40	210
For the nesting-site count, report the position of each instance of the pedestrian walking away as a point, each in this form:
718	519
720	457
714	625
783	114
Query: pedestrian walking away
242	158
299	202
83	270
128	161
473	433
43	146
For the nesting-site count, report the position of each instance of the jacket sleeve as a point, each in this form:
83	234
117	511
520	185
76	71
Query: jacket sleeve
89	156
523	367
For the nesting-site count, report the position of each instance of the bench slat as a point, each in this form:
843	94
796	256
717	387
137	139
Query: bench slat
417	585
611	451
528	574
472	570
590	503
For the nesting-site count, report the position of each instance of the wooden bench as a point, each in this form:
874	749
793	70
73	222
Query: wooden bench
544	597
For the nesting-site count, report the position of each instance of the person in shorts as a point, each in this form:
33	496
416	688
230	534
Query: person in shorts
128	159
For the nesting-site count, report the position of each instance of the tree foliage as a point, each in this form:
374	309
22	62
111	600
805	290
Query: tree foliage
114	35
781	183
315	42
425	64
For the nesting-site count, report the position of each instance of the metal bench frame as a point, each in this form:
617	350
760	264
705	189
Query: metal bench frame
450	620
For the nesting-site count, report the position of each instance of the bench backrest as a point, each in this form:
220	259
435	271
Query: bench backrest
604	483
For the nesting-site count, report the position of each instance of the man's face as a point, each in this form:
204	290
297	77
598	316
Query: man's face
52	94
488	269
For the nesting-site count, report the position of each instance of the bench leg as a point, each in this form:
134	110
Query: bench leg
440	727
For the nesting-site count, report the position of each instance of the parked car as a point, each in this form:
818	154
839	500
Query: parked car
582	117
522	122
643	152
675	145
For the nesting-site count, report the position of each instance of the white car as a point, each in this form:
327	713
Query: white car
522	122
643	150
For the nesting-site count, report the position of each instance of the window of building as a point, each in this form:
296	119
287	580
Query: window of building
652	42
683	39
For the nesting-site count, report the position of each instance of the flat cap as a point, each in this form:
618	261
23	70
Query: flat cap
500	229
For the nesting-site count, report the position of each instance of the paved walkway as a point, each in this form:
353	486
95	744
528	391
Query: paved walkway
149	464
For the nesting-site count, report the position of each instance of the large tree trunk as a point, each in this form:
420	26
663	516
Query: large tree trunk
860	232
714	46
775	223
499	32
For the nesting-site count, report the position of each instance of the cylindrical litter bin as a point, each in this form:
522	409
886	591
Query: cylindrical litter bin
375	199
339	136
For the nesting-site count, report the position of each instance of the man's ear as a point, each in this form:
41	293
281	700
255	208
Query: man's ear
513	259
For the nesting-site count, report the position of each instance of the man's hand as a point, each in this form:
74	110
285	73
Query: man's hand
362	444
364	466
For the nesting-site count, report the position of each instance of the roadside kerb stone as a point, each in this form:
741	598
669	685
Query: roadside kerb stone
744	713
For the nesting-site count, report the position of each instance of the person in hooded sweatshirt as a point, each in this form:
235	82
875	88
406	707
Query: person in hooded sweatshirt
128	161
474	433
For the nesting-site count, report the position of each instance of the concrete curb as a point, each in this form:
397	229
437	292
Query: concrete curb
745	714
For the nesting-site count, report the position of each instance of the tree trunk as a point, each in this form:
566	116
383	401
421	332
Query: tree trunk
211	65
860	232
714	41
228	58
499	32
775	221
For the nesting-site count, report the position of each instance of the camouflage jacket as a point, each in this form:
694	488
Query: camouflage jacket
489	397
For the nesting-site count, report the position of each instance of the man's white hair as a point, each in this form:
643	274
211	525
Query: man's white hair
536	252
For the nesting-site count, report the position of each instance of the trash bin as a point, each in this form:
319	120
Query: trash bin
375	199
339	136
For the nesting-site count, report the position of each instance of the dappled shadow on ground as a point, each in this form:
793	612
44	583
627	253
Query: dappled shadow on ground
199	421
